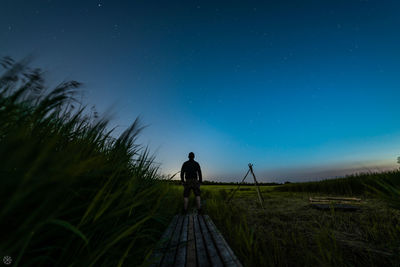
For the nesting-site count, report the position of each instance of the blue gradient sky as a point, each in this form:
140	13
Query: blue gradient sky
302	89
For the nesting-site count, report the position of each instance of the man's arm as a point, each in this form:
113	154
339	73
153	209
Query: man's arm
199	173
183	173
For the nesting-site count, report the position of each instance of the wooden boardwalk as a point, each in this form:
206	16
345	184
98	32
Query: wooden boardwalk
193	240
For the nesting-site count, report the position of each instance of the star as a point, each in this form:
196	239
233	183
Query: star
99	4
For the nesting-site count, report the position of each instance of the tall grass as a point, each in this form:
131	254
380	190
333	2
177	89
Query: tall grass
70	193
365	183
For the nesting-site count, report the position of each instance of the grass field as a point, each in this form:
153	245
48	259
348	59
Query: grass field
288	232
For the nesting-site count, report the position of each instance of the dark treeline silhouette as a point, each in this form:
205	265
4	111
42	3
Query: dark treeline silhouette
206	182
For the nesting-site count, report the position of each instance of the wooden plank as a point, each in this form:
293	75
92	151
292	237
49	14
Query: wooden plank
191	245
202	260
343	207
336	198
325	201
164	242
169	257
209	244
227	255
181	253
193	240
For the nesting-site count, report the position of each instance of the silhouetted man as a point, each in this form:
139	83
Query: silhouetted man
191	172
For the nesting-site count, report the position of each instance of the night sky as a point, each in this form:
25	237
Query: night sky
302	89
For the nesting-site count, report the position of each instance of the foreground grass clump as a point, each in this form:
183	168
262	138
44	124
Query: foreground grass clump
288	232
70	194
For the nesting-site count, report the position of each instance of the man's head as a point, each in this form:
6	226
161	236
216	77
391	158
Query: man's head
191	155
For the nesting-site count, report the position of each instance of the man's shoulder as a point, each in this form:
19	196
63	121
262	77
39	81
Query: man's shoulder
186	163
191	162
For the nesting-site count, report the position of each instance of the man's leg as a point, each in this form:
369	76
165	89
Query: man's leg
186	191
185	203
197	192
198	202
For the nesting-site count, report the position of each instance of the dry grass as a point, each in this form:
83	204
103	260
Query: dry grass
290	233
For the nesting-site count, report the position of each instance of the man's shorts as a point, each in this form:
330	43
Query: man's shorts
191	185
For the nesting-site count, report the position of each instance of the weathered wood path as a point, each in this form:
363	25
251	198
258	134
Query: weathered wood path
193	240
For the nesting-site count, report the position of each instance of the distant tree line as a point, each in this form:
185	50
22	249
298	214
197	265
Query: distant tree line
223	183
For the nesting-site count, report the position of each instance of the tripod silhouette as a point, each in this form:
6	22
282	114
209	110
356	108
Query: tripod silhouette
260	198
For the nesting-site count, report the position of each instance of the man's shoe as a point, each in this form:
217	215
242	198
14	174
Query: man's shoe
184	212
200	211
